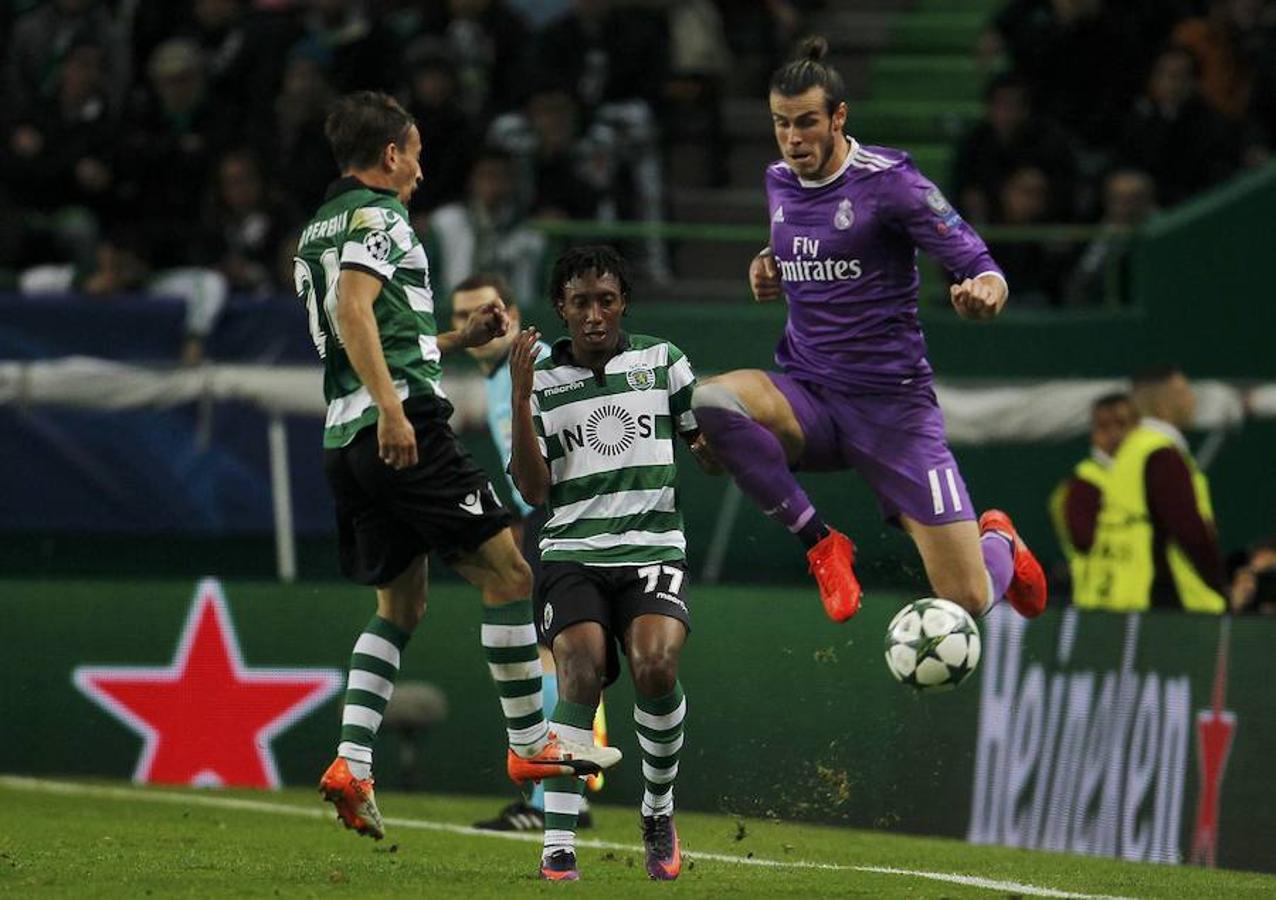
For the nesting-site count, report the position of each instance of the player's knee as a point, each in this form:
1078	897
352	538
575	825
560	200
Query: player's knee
717	396
580	676
655	671
512	583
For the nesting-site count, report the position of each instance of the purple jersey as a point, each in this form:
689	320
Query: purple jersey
846	248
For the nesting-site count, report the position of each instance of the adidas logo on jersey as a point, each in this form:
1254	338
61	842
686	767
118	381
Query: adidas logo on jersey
778	215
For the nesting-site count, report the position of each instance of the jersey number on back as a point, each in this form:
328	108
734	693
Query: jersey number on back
304	281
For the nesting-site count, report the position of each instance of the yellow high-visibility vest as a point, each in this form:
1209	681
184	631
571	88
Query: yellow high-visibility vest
1092	471
1122	568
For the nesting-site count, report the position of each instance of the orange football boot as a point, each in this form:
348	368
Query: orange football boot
354	799
832	561
560	757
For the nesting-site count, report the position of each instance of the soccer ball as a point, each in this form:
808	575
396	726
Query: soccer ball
932	644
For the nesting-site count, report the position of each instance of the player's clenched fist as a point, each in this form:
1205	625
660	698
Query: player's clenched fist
979	298
488	321
522	362
764	277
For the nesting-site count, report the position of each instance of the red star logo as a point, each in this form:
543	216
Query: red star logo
207	719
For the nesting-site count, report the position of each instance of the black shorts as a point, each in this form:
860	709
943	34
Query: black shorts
388	517
612	596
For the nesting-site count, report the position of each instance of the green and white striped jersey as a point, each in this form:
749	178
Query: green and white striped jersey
359	227
609	443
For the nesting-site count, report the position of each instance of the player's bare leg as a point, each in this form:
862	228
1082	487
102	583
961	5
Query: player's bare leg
654	645
973	565
348	782
499	570
756	436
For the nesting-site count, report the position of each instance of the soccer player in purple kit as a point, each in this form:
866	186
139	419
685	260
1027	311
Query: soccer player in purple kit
854	388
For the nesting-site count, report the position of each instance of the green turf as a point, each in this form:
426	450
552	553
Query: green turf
114	841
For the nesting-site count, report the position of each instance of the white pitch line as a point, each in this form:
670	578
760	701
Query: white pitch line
235	803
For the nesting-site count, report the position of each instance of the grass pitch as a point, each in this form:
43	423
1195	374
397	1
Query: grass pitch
63	839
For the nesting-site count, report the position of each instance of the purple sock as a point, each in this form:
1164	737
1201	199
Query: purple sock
999	560
756	460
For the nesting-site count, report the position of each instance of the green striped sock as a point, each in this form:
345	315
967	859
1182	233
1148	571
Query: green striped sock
658	722
509	641
374	665
573	722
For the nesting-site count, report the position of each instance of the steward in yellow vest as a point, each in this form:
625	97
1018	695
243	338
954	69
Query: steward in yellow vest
1156	545
1075	502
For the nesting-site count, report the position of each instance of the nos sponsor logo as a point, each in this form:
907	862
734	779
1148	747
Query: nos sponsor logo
1088	761
609	430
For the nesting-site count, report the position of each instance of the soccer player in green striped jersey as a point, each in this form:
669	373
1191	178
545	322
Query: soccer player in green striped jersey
403	484
593	439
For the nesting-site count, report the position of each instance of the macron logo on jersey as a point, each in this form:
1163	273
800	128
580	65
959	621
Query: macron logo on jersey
808	266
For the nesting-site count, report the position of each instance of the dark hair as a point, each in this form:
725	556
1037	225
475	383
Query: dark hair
1116	398
598	259
1267	544
360	125
807	70
1154	375
484	280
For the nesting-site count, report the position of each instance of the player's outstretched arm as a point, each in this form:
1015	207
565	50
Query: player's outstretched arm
488	321
764	277
356	292
527	459
980	298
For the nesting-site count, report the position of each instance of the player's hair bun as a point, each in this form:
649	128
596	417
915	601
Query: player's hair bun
813	48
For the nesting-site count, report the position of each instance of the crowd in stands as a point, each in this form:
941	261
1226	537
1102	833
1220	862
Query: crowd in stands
1105	111
145	137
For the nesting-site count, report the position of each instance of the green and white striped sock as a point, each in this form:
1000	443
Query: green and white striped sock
509	641
659	727
374	666
573	722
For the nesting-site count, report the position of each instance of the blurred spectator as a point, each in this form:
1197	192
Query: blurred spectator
120	266
41	39
489	44
362	52
1129	198
244	52
1076	501
1077	56
57	161
487	232
602	54
168	146
1011	135
699	62
448	133
249	224
1156	543
562	172
1218	41
760	34
1173	134
1034	269
1253	586
302	161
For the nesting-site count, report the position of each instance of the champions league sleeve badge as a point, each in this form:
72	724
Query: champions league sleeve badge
377	243
844	217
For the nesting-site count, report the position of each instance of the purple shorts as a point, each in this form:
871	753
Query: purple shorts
896	441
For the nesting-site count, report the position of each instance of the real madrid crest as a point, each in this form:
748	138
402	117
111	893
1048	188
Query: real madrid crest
844	217
641	378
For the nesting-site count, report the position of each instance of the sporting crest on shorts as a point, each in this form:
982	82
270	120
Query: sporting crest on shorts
548	618
377	243
641	378
844	216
